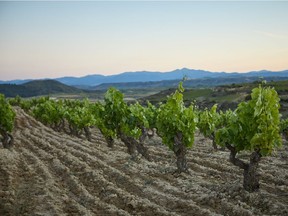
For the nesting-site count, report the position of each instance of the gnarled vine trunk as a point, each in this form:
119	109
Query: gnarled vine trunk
110	141
285	134
130	144
143	150
87	133
251	177
59	127
143	135
133	145
7	139
214	142
250	174
180	152
146	133
74	131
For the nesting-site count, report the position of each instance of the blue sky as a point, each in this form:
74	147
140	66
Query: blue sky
54	39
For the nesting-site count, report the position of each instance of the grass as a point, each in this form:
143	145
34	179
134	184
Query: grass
197	93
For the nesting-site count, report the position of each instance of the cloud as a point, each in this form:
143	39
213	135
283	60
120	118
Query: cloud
272	34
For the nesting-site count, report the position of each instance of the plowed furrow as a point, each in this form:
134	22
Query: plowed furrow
8	178
39	184
84	173
267	175
52	173
178	195
59	172
215	155
120	180
124	182
215	168
72	185
160	152
189	190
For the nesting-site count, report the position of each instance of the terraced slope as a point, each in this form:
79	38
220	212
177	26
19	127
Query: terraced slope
50	173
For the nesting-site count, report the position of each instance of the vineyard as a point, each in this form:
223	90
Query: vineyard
51	173
78	158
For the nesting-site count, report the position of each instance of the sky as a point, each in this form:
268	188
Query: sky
55	39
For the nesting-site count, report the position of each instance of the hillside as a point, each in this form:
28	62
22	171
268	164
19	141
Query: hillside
190	83
50	173
226	96
37	88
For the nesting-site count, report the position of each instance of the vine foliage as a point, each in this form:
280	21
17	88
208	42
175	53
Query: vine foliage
254	127
7	118
176	126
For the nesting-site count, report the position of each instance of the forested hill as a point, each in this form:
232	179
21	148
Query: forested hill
37	88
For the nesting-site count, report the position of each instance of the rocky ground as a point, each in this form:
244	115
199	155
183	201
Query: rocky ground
50	173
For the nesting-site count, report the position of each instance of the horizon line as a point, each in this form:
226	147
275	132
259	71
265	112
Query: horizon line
184	68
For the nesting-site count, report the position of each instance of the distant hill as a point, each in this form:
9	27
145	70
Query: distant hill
142	76
226	96
146	76
37	88
17	81
192	83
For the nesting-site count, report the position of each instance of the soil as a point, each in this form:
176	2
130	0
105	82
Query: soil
51	173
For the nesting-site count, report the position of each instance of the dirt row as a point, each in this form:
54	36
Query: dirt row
51	173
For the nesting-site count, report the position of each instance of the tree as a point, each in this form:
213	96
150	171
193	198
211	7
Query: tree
254	127
176	126
7	117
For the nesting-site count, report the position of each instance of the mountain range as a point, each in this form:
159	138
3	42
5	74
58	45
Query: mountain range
146	76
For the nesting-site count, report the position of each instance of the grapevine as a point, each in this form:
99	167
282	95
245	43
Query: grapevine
176	126
80	118
50	113
254	127
120	121
7	117
208	123
284	128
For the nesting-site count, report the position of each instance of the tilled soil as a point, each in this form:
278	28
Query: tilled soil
50	173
